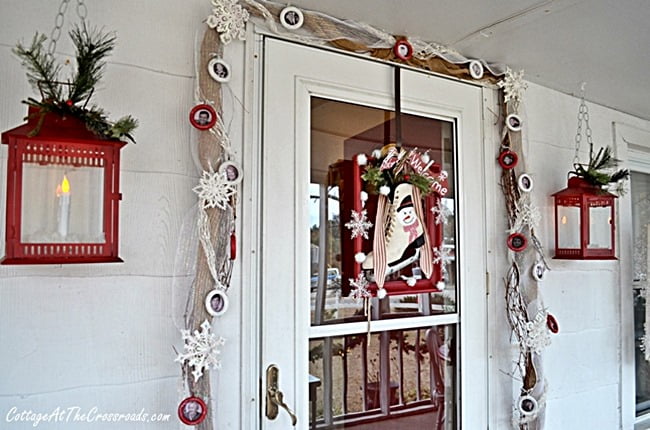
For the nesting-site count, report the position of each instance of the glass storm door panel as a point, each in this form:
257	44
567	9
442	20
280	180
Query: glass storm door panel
410	359
640	194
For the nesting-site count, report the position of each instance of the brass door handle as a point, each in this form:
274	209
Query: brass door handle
275	397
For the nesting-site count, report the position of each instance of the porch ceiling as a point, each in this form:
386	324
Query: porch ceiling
559	43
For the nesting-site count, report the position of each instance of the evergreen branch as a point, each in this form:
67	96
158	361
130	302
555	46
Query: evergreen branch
42	72
92	49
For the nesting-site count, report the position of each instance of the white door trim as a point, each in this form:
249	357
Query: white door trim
633	149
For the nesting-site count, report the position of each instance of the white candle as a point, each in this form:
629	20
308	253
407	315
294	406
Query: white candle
63	191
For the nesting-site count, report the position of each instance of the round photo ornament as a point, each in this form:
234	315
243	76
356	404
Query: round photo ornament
513	122
192	410
232	171
527	405
292	18
476	70
216	302
525	183
517	242
219	70
538	271
203	116
508	159
403	50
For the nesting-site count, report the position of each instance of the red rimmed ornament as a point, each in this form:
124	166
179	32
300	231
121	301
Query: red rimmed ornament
517	242
403	50
508	159
192	410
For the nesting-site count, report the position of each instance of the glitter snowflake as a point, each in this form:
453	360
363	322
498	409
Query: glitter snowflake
526	214
359	224
214	190
201	350
229	18
441	213
537	335
513	85
443	257
359	288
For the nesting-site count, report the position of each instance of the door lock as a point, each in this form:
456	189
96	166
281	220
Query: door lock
275	397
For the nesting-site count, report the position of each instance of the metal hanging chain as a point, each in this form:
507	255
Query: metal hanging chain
583	115
82	13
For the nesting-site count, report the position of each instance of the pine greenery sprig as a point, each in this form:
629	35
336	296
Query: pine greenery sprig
92	48
42	71
598	171
375	177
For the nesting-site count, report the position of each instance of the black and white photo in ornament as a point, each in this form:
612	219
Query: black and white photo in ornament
192	411
203	116
216	302
291	18
219	70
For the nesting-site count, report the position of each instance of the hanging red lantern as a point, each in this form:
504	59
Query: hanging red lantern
584	222
62	192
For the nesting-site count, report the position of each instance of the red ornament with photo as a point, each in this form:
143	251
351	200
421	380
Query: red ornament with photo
508	159
403	50
192	410
517	242
203	116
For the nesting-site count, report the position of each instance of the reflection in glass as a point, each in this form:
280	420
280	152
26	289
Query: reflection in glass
340	131
640	191
405	376
568	231
600	232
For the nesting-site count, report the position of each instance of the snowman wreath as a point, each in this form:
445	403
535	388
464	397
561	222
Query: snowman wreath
400	179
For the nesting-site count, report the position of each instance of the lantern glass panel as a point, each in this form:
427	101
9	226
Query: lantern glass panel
600	229
62	204
568	227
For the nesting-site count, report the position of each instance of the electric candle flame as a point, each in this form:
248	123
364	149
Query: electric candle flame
564	219
65	185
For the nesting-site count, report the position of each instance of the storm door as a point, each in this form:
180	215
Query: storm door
416	358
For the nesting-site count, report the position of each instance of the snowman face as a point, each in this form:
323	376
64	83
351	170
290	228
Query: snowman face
406	216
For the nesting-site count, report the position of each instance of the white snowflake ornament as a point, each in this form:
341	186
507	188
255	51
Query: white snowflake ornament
441	213
359	224
359	288
537	335
513	86
229	19
214	190
201	350
443	257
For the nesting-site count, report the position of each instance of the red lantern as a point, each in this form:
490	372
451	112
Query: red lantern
62	193
584	222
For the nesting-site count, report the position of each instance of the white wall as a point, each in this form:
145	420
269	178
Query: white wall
583	363
102	335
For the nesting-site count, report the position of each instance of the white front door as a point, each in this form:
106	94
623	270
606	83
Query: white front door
424	364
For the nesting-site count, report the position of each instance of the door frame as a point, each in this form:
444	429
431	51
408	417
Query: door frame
631	148
253	370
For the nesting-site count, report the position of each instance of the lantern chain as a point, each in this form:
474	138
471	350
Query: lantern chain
583	115
82	13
